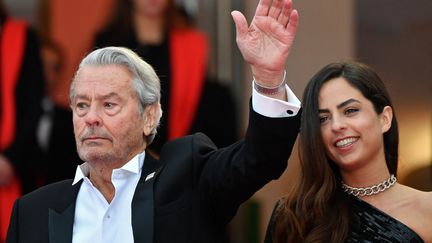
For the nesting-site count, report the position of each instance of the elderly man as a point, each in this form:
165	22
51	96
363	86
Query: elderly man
123	194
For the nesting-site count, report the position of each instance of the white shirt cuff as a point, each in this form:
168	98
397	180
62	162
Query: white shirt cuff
275	108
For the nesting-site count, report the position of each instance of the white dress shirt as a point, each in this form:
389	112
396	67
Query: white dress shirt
97	221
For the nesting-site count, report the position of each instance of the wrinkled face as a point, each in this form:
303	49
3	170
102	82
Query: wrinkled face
107	124
152	8
352	131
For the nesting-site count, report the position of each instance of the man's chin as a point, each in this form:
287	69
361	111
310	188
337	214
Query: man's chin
94	142
94	155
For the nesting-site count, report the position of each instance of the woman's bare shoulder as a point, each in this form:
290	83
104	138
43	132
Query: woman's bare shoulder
425	198
417	197
421	212
425	206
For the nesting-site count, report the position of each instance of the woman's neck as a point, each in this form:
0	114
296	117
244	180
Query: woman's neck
371	173
149	30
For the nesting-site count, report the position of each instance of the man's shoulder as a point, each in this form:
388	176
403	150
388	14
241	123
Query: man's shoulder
186	147
192	139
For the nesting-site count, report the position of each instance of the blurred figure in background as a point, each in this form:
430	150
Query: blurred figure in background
162	34
55	131
21	91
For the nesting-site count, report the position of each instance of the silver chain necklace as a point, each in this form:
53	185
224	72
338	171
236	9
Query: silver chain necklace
371	190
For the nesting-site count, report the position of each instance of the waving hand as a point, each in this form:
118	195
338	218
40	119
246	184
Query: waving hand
266	43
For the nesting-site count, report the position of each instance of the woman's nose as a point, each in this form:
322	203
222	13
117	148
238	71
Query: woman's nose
338	123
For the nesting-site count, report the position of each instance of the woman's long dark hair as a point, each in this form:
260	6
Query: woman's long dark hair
317	208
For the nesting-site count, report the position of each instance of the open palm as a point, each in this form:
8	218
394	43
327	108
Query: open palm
266	43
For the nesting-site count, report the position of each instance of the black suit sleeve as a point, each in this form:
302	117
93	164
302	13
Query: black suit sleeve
231	175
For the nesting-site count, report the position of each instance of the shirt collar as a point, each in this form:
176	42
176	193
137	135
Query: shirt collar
134	165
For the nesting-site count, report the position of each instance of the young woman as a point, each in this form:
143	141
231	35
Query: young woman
347	190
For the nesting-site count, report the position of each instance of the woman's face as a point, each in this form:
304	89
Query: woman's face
351	130
151	8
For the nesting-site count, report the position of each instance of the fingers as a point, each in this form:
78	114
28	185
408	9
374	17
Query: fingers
279	10
240	24
263	8
293	22
285	13
275	9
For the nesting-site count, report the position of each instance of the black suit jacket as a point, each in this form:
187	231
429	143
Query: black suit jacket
195	191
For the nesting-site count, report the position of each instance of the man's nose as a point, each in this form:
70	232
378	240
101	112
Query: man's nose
93	116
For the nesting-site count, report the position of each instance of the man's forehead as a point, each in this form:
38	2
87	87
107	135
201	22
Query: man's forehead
103	90
99	95
104	73
104	76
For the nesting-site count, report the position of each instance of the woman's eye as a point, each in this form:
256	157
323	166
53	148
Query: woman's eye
351	111
323	119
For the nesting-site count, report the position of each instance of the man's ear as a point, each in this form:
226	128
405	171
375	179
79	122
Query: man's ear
151	117
386	119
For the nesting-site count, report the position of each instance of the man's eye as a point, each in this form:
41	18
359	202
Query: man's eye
81	105
109	105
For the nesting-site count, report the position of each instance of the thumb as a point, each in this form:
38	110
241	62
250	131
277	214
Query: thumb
240	23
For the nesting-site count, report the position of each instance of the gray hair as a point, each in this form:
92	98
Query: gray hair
145	82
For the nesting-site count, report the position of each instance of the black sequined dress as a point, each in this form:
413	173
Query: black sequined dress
369	224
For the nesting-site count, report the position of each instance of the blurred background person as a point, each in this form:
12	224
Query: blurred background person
21	91
55	131
163	35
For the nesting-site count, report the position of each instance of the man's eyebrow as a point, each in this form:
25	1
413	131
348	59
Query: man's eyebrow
103	97
343	104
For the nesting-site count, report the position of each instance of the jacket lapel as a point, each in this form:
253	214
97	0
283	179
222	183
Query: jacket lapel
143	201
61	218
